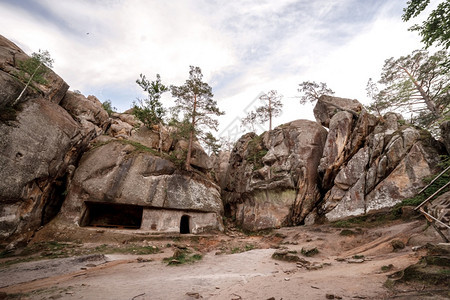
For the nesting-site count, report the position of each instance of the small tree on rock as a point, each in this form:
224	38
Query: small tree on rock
150	110
311	91
212	144
270	109
195	100
33	69
107	106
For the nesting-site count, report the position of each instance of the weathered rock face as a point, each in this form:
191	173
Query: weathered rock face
327	106
389	165
367	164
34	153
199	158
272	179
39	147
221	165
118	173
87	111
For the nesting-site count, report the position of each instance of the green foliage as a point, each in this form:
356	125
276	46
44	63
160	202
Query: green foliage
311	91
255	152
55	249
436	28
107	106
182	256
371	220
150	110
309	252
33	70
347	232
139	147
415	84
387	268
34	67
212	144
249	247
194	99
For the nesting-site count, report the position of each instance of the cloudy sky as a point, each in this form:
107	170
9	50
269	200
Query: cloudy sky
243	47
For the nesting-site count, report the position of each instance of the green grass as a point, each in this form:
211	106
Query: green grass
53	249
387	268
309	252
181	257
246	247
347	232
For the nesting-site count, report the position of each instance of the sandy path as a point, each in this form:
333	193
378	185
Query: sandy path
247	275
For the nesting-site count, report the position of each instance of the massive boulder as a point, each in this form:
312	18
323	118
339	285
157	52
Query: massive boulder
272	178
40	144
371	164
327	106
118	173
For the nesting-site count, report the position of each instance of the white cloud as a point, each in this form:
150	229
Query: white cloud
243	47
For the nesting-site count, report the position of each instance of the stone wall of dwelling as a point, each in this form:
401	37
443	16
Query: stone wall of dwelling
163	220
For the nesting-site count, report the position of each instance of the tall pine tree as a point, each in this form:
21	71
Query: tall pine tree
194	99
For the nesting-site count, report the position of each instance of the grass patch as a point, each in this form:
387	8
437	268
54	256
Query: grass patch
387	268
53	249
247	247
347	232
309	252
372	220
182	256
127	249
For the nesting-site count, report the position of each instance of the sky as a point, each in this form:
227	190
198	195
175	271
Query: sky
244	48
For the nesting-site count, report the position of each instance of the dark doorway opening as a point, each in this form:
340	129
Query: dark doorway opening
111	215
184	224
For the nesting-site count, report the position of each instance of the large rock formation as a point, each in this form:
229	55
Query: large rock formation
42	138
370	164
119	173
299	173
272	179
40	142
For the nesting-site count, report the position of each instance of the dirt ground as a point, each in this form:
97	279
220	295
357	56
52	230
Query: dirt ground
351	263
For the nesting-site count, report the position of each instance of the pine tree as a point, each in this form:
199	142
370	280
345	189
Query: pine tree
194	99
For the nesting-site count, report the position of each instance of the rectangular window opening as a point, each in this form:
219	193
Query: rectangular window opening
112	215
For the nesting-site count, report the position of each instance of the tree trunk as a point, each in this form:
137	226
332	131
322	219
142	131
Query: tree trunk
270	114
26	86
191	136
160	137
428	101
